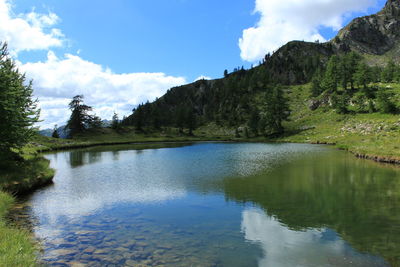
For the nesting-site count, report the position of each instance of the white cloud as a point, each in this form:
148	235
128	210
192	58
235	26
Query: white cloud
57	80
30	31
284	21
202	77
310	247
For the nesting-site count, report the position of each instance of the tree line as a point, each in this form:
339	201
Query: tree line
350	85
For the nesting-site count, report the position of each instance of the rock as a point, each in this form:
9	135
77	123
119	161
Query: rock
76	264
89	250
130	263
375	34
63	252
314	104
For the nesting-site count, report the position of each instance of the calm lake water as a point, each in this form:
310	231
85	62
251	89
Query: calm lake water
217	204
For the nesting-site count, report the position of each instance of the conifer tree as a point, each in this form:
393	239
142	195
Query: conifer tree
331	77
115	121
80	118
191	121
363	76
254	121
316	88
18	111
55	132
276	110
389	72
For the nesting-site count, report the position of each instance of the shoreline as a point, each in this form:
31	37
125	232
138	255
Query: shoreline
379	159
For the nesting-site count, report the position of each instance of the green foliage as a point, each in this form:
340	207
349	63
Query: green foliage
384	102
80	118
55	133
95	122
388	73
330	81
340	102
316	88
363	76
115	124
18	111
275	111
254	121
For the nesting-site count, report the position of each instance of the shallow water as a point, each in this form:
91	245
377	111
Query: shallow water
217	204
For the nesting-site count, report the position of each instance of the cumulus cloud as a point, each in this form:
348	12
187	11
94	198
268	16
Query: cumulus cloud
202	77
310	247
57	80
32	31
284	21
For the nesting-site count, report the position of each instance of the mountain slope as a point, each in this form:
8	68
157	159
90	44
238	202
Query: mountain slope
230	101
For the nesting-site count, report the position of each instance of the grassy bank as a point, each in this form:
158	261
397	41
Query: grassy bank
375	136
19	176
16	247
371	135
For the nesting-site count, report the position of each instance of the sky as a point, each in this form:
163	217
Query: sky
121	53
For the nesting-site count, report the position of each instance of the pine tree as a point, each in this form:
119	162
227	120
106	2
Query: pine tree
18	111
254	121
352	60
115	121
55	132
276	110
316	88
191	121
139	118
95	122
331	77
362	76
80	118
388	73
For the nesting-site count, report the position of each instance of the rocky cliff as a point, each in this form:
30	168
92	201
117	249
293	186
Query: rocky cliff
376	34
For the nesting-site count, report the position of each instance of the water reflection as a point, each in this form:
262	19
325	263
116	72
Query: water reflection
358	199
198	204
310	247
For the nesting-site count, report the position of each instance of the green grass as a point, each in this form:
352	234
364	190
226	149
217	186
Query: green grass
22	174
16	247
372	135
25	174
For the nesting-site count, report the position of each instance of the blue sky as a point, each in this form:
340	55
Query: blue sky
186	38
121	53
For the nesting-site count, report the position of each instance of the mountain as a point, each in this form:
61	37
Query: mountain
231	101
62	132
375	35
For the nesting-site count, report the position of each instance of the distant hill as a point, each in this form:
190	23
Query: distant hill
231	101
63	132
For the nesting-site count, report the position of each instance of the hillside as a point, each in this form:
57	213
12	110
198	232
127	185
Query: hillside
343	92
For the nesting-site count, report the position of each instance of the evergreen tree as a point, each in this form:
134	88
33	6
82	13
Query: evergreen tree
384	102
254	121
95	122
191	121
276	110
55	133
331	77
139	118
388	73
316	88
115	121
352	60
180	119
18	111
362	76
80	118
340	102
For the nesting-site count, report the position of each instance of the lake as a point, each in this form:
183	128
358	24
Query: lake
217	204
